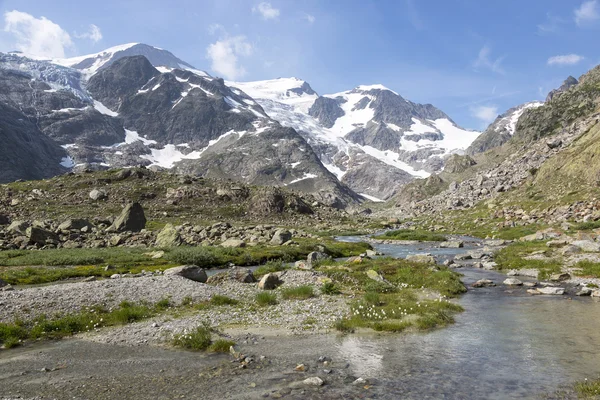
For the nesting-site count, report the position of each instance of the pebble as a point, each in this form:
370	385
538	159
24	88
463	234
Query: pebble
313	381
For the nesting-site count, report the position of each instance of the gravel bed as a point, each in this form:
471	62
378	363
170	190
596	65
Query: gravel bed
315	314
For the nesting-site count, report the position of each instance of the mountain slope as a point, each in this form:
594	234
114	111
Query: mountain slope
26	153
92	63
550	161
501	130
369	137
130	112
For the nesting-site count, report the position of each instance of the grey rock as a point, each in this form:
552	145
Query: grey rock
560	277
584	292
40	236
587	245
233	274
376	276
132	219
454	244
483	283
269	282
551	290
192	272
19	227
314	258
421	258
512	282
168	237
98	194
4	219
74	224
313	381
233	243
281	236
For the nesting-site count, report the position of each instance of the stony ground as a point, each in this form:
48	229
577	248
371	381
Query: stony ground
313	314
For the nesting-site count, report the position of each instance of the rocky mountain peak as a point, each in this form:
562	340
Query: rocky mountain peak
567	84
92	63
502	129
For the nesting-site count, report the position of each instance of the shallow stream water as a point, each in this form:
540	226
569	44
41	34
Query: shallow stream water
507	344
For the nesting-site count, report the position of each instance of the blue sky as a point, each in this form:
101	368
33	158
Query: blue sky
471	58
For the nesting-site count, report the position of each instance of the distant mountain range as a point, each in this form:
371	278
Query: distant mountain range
137	104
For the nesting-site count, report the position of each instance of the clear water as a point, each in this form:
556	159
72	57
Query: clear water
506	345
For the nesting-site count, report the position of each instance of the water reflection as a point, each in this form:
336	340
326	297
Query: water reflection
506	344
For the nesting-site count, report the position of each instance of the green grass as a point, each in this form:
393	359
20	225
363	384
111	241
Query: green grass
219	300
330	288
270	267
266	299
513	257
398	304
221	346
25	267
62	257
298	293
197	340
587	226
397	312
588	389
588	269
408	234
163	304
45	327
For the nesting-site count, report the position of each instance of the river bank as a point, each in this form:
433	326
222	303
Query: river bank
507	344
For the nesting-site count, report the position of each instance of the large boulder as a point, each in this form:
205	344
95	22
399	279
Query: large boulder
314	258
233	243
587	246
452	244
233	274
131	219
550	290
18	227
74	224
512	282
40	236
421	258
98	194
4	219
269	282
376	276
281	236
483	283
168	237
192	272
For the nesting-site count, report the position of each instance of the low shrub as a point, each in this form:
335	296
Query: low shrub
298	293
266	299
197	340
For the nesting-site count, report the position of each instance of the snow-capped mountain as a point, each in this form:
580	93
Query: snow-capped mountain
370	137
92	63
137	104
118	109
502	129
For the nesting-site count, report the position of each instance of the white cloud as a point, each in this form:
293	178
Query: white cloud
485	61
310	18
266	10
587	13
216	28
551	25
486	114
37	36
94	34
567	59
224	54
